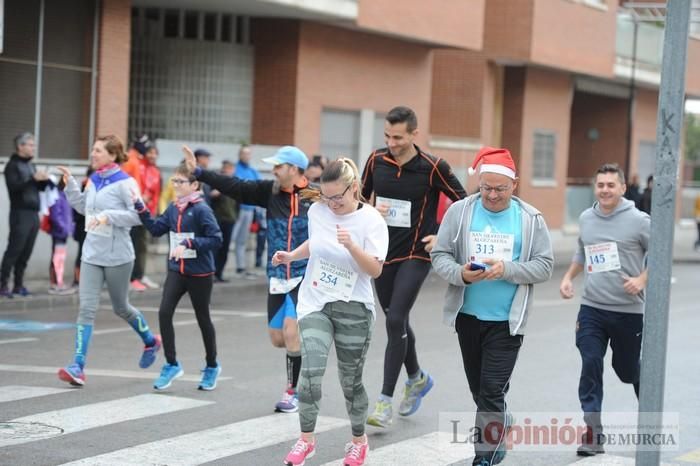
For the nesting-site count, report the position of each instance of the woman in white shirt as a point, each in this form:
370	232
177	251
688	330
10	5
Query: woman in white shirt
347	245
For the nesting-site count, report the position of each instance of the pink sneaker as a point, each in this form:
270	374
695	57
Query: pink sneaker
300	452
136	285
355	454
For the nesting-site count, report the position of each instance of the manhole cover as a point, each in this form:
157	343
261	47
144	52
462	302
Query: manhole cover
27	430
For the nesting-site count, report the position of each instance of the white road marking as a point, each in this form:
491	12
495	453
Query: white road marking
22	392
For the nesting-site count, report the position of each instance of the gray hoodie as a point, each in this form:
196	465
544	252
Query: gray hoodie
114	201
452	251
627	227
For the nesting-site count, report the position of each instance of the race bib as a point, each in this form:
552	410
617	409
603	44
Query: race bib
177	238
282	286
602	257
399	212
498	246
98	229
337	282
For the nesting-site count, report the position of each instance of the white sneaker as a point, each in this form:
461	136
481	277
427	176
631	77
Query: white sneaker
150	283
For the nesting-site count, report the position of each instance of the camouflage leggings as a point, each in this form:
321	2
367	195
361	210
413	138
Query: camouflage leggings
350	325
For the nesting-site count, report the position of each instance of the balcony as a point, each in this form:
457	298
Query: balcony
649	50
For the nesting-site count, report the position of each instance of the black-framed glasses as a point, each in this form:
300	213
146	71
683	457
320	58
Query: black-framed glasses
179	181
498	189
337	198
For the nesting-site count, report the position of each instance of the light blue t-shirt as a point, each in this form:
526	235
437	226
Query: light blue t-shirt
491	300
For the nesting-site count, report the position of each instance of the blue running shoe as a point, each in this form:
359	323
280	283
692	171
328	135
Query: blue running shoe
72	374
414	393
209	376
149	353
289	402
168	373
22	291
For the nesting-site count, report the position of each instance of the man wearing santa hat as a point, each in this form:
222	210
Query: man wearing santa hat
406	183
492	247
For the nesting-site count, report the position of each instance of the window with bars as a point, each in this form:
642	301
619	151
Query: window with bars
543	156
340	133
190	77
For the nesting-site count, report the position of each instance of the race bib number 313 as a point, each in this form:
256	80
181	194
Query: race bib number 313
497	246
333	280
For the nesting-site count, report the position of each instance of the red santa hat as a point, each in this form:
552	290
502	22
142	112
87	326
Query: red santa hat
494	160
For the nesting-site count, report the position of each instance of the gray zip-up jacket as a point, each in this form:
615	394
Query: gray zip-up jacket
452	251
113	201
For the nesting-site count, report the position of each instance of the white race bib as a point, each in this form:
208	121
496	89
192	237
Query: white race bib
399	212
177	238
98	229
282	286
337	282
498	246
602	257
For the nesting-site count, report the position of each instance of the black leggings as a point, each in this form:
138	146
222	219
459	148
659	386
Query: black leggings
199	289
397	290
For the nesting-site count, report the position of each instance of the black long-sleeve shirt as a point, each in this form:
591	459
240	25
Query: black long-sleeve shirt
21	185
420	181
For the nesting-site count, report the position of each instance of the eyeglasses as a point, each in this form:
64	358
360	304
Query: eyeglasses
499	189
337	198
179	181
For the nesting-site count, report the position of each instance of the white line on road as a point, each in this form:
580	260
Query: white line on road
611	460
214	312
22	392
17	340
211	444
126	328
427	449
94	415
99	372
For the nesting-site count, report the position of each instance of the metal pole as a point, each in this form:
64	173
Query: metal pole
93	76
663	208
630	107
39	78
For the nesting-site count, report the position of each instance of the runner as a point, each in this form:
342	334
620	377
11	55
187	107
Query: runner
612	247
108	253
286	230
406	183
488	304
347	244
194	236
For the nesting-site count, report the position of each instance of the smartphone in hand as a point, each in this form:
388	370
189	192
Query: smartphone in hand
477	266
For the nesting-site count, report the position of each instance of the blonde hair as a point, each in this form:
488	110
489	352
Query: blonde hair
344	170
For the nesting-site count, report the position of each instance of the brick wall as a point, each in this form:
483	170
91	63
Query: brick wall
513	101
546	106
459	80
508	28
113	69
276	43
347	70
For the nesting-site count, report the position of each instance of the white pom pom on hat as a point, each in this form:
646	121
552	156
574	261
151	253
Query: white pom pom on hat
494	160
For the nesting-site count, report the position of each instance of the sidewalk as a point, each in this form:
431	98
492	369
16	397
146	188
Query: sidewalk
563	244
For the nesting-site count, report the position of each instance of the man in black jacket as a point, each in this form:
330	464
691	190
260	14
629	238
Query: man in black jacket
23	185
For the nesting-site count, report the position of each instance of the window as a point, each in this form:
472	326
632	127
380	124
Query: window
543	156
191	25
378	131
210	26
172	23
340	133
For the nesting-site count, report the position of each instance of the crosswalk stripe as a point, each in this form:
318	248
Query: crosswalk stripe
426	449
17	340
94	415
691	457
212	444
22	392
102	372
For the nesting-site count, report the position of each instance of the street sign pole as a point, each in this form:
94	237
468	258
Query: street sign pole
663	211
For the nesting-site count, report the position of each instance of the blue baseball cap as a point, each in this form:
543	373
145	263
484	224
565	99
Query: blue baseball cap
291	155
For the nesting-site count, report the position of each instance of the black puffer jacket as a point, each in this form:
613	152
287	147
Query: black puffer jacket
21	185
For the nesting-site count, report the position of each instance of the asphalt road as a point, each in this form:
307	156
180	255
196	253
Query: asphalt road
118	419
